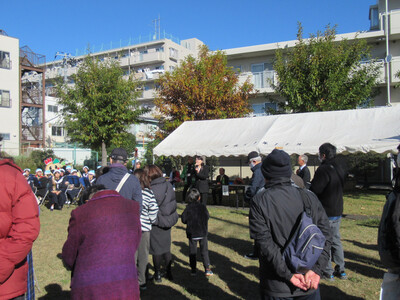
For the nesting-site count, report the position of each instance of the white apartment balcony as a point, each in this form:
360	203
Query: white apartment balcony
262	80
143	59
394	18
395	69
60	71
148	95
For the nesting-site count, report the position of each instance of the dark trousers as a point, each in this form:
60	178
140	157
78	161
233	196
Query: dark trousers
217	192
58	200
314	296
157	260
203	250
185	189
204	198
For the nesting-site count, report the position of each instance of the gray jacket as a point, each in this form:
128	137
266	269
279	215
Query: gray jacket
165	196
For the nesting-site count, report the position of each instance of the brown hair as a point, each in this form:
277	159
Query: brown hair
143	178
153	172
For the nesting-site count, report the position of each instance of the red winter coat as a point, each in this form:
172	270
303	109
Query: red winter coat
19	227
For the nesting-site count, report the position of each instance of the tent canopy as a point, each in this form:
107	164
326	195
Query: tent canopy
364	130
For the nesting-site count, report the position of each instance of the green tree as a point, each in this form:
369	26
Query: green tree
364	165
201	89
322	73
100	106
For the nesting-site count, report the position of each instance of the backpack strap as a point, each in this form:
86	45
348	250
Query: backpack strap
122	182
306	202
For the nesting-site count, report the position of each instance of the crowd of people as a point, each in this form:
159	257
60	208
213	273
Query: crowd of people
124	216
61	186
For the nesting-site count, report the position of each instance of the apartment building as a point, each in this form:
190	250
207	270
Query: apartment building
256	62
146	61
9	94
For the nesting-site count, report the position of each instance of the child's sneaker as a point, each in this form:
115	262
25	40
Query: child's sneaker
209	272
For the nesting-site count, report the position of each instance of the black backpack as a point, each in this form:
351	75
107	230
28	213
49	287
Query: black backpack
389	232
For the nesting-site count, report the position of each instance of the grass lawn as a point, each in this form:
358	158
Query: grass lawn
234	276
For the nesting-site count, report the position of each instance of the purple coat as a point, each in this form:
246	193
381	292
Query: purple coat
103	236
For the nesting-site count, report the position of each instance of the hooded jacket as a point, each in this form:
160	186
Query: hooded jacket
19	228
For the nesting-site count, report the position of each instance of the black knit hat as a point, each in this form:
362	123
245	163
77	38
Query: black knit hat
119	154
277	164
251	155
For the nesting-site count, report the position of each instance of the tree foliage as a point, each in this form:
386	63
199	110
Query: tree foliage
320	73
201	89
100	106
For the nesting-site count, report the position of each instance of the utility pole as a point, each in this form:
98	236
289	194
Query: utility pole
388	58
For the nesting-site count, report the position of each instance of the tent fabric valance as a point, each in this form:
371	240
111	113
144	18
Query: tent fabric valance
360	130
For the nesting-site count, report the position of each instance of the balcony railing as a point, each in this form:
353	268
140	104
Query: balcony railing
142	58
262	80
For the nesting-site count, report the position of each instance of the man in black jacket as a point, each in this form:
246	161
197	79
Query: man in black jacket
273	215
303	170
257	182
328	185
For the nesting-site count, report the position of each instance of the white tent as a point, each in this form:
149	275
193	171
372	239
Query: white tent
372	129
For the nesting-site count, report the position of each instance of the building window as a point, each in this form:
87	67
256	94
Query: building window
264	109
5	100
171	68
5	62
52	108
5	136
374	17
57	131
270	107
237	69
262	75
173	53
160	49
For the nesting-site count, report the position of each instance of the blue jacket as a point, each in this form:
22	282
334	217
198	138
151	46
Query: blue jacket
257	182
130	190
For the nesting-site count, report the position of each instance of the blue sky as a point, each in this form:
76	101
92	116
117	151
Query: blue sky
48	26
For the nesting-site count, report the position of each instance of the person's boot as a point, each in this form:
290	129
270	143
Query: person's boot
169	271
157	276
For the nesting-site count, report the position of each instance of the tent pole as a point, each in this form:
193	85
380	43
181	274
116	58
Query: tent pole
241	168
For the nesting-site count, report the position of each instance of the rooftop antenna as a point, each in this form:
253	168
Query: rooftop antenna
157	26
67	59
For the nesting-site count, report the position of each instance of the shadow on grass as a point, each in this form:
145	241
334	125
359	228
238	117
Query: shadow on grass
161	291
333	293
368	271
226	270
241	247
362	259
373	247
54	291
230	222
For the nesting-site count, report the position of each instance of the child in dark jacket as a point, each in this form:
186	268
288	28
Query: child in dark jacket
196	217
